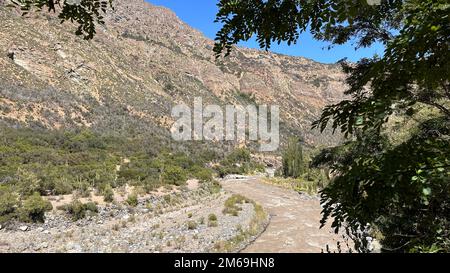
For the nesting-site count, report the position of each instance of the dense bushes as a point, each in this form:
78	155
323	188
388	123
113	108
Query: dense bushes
202	174
232	204
57	162
293	162
174	175
26	182
408	210
8	203
132	200
299	170
31	209
212	220
63	162
78	210
108	194
238	162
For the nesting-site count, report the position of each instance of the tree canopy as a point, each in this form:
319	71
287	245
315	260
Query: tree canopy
292	159
399	189
86	13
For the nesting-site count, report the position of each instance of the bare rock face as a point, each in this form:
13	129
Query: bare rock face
140	64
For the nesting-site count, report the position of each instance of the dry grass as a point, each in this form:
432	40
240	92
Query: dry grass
299	185
232	204
256	225
191	225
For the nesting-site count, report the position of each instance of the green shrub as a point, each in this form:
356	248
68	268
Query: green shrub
82	187
191	225
212	217
78	210
231	204
293	162
33	209
132	200
174	175
238	162
108	194
91	206
212	220
63	185
130	173
239	156
213	223
151	183
167	198
202	174
8	203
27	183
214	187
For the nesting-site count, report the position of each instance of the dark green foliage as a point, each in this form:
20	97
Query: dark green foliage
151	183
132	200
174	175
26	182
212	217
33	209
63	185
56	162
86	14
52	162
108	194
201	173
8	203
239	161
212	220
336	21
232	204
78	210
401	189
30	209
407	202
214	187
293	162
239	156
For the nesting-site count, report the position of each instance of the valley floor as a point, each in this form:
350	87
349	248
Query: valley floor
294	219
180	222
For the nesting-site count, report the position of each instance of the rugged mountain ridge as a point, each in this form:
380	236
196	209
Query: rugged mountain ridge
140	64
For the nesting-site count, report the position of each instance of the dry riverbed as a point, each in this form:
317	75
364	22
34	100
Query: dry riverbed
187	220
294	219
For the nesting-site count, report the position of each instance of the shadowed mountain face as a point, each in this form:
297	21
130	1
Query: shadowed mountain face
143	62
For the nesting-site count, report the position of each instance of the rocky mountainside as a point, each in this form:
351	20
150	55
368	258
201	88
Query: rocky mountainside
140	64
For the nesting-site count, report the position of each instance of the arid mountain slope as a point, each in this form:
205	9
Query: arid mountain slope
144	61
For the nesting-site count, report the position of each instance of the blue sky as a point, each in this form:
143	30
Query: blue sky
200	14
